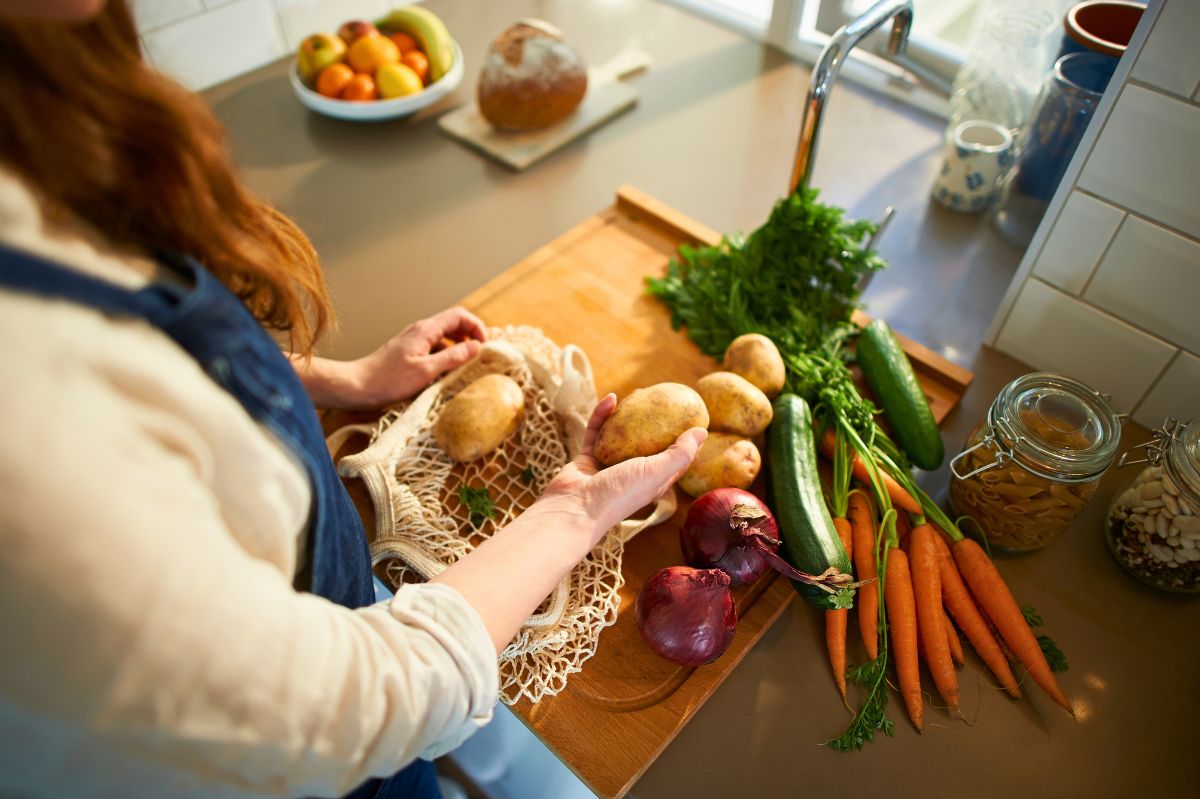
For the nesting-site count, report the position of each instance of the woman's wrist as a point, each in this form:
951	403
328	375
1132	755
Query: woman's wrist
334	384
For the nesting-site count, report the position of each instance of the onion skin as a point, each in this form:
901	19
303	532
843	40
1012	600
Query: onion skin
727	529
687	615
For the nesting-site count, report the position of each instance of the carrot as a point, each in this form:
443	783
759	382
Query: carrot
835	620
903	528
862	528
927	591
956	650
902	622
899	496
988	587
962	607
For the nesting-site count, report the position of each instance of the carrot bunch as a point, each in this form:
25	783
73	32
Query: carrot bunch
931	578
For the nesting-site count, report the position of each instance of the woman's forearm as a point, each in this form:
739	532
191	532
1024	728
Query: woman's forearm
510	574
329	383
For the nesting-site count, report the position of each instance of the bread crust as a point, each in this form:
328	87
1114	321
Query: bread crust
532	78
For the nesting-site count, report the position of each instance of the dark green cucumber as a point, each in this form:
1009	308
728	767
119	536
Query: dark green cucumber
805	526
891	378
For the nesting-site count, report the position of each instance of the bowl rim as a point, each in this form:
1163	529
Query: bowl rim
370	110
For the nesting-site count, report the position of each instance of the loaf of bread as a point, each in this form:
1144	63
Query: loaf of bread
531	78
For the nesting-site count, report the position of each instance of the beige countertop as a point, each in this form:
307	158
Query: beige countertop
408	221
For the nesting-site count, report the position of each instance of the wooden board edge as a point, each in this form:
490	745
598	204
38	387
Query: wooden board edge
633	201
520	270
764	623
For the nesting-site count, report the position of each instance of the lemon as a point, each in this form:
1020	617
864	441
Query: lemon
397	80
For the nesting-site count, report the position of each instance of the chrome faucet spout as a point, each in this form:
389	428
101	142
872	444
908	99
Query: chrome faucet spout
830	63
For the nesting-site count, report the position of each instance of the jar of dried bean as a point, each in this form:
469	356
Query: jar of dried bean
1154	524
1028	470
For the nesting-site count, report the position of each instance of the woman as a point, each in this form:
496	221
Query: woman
185	598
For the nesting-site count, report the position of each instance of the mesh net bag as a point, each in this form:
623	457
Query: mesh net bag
422	524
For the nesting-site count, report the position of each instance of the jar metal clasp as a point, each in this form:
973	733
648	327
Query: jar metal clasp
1003	456
1157	446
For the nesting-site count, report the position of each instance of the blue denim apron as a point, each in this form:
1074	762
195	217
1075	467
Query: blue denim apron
216	329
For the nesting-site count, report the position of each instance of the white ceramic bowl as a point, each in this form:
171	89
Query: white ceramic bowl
373	110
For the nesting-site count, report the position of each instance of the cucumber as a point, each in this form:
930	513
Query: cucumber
808	534
891	378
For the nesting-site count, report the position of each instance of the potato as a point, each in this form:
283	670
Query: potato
724	461
755	358
648	421
480	417
735	405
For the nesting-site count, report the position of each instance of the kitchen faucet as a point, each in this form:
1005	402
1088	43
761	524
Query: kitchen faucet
830	63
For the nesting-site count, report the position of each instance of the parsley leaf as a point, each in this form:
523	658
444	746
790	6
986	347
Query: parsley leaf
478	503
1054	656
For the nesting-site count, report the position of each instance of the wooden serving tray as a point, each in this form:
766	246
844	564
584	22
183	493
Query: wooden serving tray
587	288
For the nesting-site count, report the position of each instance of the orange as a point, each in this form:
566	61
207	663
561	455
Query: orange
418	63
360	87
404	41
370	52
333	79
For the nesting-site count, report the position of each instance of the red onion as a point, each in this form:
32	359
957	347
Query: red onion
733	530
728	529
687	615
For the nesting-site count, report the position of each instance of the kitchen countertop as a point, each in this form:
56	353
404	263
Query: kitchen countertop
407	221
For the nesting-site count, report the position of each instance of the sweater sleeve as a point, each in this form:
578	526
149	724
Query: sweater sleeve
131	611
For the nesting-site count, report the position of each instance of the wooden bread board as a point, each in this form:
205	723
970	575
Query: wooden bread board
587	288
607	97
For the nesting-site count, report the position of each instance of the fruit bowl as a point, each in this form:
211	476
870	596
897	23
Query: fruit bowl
374	110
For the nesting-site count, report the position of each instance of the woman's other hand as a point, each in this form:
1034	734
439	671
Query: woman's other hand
602	497
404	366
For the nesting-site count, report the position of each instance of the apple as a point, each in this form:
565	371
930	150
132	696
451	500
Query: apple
355	29
317	52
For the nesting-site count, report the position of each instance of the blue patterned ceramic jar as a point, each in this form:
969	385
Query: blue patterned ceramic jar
978	154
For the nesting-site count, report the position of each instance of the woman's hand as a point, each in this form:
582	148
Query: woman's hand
507	576
600	498
401	368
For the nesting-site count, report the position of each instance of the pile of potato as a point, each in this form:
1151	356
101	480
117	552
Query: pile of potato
733	404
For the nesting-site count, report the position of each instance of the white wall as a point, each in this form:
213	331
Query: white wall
1109	289
203	42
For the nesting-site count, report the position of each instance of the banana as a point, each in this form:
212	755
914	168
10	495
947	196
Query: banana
428	29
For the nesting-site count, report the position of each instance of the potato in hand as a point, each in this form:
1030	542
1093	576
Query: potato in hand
647	421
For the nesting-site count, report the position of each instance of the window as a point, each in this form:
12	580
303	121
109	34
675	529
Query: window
941	30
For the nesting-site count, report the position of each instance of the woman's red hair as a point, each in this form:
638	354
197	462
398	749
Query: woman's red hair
101	135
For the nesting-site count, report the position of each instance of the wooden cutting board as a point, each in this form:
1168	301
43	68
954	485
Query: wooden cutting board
607	97
587	288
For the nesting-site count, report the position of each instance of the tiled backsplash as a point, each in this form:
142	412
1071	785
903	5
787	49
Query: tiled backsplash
203	42
1109	290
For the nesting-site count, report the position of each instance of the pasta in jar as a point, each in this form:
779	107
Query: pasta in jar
1029	471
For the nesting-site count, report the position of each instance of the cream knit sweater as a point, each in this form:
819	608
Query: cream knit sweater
152	643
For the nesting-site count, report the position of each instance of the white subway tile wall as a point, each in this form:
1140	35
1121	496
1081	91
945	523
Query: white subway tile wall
150	15
203	42
1080	236
1171	59
214	46
1054	332
1174	395
1147	158
1112	295
1151	277
301	18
